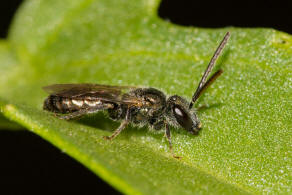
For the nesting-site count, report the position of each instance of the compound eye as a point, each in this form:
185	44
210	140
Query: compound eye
183	118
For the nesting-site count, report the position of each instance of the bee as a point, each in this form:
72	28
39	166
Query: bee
128	104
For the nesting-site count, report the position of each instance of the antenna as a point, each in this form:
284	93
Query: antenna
203	84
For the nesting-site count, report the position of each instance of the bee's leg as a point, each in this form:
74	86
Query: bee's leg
73	115
168	136
121	127
84	111
158	125
118	131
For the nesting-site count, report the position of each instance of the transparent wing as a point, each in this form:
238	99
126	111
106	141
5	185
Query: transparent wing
94	91
79	89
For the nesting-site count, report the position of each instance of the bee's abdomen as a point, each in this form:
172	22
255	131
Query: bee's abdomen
66	105
59	104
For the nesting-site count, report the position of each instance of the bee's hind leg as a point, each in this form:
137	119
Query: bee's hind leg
84	111
74	115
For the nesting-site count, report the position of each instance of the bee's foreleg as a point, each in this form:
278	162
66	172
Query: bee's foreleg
168	136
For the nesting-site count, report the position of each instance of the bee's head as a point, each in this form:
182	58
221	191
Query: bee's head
178	110
179	114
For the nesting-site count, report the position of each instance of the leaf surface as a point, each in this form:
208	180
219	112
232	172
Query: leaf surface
245	144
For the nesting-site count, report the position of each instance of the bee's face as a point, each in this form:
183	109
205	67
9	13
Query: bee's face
179	114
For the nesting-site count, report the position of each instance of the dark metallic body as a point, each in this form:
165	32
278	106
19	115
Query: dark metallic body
150	107
140	106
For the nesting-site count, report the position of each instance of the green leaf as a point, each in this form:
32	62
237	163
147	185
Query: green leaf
6	63
8	125
244	146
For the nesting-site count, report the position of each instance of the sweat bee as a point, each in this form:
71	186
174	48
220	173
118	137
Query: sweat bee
142	106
